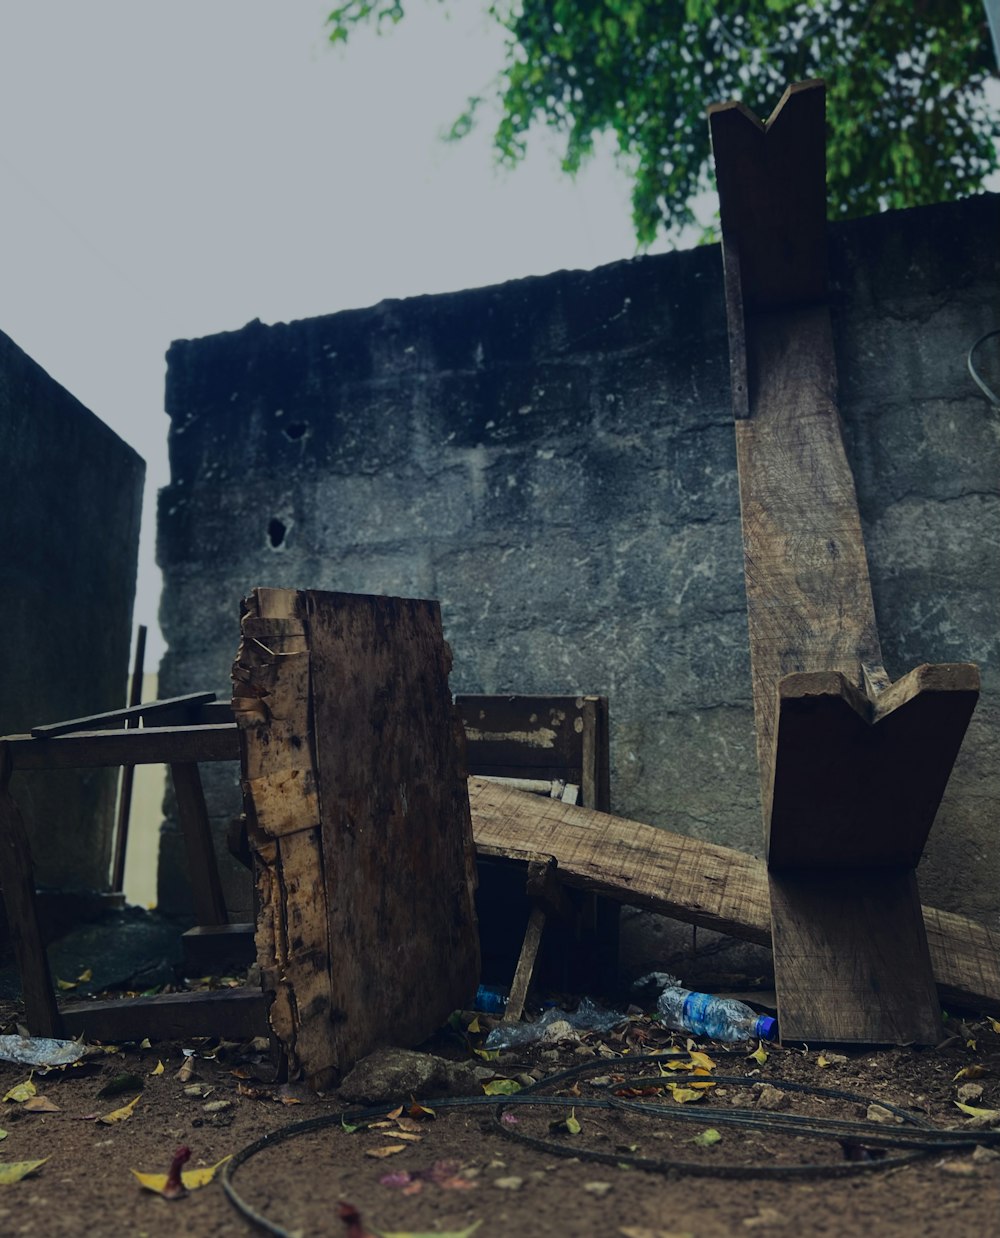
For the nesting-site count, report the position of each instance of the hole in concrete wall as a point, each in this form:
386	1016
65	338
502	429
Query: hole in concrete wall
276	530
296	430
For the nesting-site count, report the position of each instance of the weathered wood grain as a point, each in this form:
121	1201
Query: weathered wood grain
848	779
396	831
696	882
872	772
872	989
357	813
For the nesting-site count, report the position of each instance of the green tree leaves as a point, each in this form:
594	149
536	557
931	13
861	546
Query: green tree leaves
908	119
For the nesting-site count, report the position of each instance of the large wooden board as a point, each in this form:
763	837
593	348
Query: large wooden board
355	795
697	882
851	770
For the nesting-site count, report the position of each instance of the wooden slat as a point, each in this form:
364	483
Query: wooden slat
232	1014
203	868
872	989
526	736
866	776
145	746
772	196
697	882
525	965
809	599
17	882
119	717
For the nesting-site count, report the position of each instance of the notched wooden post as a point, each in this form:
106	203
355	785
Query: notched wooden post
852	767
358	815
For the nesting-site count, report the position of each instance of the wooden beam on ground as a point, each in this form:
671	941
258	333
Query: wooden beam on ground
697	882
232	1014
357	810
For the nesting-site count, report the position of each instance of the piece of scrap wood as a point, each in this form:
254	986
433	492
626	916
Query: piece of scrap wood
697	882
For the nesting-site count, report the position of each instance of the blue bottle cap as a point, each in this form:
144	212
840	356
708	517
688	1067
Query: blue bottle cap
767	1027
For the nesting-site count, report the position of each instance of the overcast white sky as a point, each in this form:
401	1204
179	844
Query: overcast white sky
173	170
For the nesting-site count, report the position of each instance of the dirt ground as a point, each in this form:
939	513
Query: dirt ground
415	1173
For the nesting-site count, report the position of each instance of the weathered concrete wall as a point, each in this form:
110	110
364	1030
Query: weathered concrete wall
69	527
553	459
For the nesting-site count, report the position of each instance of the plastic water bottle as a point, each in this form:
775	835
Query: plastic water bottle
719	1018
490	999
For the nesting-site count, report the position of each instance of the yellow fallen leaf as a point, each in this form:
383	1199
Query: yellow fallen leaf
120	1115
409	1136
390	1149
707	1138
683	1095
21	1092
759	1054
66	985
701	1059
145	1043
474	1025
158	1068
488	1055
971	1044
970	1072
14	1171
85	975
501	1087
192	1178
709	1083
995	1025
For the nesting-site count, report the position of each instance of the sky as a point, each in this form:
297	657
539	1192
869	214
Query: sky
170	171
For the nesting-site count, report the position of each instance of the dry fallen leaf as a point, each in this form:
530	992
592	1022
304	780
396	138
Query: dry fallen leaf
157	1069
389	1149
684	1095
66	985
970	1072
120	1115
14	1171
707	1138
759	1054
191	1179
40	1104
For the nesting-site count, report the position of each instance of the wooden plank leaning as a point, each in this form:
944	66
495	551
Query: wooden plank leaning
852	769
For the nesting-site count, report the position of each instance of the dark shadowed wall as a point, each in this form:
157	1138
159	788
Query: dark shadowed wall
70	505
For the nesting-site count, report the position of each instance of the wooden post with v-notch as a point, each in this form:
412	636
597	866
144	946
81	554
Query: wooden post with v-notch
852	767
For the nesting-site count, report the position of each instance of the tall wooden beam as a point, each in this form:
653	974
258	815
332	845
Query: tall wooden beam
852	770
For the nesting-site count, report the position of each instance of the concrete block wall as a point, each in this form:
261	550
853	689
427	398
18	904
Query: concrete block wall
553	459
69	527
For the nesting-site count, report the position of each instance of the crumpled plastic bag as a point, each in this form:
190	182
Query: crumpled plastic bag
41	1051
588	1017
